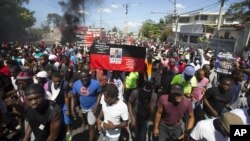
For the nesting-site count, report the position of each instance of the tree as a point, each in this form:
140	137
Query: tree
168	20
15	20
45	27
130	34
166	33
150	29
114	29
240	10
155	31
54	19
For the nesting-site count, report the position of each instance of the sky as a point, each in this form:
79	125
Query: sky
113	11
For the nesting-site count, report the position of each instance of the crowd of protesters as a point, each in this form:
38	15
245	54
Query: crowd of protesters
179	96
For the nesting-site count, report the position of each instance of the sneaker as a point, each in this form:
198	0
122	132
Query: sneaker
69	136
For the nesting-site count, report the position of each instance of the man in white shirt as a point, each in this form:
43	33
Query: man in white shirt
115	113
196	65
216	129
243	113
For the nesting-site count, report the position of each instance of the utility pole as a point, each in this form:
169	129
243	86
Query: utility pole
101	23
176	16
126	22
220	14
126	5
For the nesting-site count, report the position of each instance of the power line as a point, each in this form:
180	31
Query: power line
122	18
205	7
171	1
212	7
144	15
130	17
197	4
49	4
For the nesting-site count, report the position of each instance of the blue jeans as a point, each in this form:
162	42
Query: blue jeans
139	133
169	133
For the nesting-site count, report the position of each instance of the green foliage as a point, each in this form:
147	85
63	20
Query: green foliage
166	33
114	29
161	21
54	19
15	20
240	10
150	29
155	31
168	20
130	34
45	28
202	39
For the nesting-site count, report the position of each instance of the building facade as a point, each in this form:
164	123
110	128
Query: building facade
196	28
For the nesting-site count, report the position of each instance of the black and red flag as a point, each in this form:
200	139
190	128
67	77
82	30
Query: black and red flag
117	57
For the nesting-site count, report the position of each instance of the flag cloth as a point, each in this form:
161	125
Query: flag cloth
117	57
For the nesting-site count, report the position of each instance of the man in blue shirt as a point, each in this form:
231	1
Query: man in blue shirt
87	89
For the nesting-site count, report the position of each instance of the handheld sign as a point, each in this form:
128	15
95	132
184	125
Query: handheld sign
224	63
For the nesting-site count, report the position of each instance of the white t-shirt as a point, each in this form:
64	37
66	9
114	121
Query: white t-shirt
114	113
242	113
205	131
196	67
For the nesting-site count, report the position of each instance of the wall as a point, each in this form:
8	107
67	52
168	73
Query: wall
242	39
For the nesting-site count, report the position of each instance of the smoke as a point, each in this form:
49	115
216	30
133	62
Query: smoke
74	15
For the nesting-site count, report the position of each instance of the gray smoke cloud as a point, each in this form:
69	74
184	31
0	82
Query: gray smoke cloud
75	14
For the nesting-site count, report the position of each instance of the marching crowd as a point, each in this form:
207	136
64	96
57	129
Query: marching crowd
179	96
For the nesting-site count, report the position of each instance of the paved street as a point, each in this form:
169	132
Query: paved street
80	133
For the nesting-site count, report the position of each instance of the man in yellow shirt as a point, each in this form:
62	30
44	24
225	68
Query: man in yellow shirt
187	80
131	82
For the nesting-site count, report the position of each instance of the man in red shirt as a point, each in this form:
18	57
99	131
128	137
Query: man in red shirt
170	110
4	69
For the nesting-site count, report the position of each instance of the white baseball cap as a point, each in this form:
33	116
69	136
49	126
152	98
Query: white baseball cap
42	74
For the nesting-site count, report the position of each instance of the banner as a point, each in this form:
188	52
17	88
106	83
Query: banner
84	37
224	63
117	57
80	32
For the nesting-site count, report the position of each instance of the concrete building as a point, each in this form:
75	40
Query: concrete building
201	25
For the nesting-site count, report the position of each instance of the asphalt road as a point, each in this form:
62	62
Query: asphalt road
80	131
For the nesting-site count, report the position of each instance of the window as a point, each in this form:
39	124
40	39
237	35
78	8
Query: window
226	35
183	19
229	20
194	39
204	17
184	38
197	17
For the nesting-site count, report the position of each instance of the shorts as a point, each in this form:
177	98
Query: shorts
89	115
